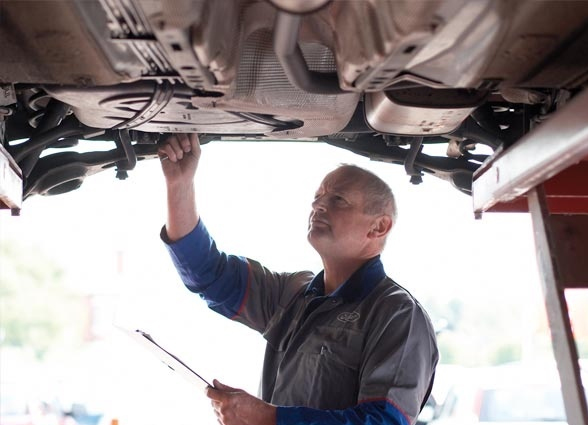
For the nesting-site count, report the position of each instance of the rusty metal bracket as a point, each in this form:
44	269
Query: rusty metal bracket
544	152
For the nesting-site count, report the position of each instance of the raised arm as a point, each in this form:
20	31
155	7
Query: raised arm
179	155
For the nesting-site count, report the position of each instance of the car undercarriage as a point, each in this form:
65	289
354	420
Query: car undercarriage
390	80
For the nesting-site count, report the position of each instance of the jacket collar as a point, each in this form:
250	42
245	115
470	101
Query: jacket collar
357	287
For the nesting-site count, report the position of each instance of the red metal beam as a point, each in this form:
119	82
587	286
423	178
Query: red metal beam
566	192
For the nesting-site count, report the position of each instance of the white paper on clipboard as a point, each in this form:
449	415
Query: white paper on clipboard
168	358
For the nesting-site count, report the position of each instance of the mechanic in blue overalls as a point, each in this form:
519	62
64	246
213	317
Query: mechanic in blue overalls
347	346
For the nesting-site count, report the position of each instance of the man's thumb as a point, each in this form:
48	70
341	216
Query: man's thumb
223	387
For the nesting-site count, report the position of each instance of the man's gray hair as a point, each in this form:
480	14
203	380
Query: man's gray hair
378	196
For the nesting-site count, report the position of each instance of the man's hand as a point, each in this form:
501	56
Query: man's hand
236	407
179	155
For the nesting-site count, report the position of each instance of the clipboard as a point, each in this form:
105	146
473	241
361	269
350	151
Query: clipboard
173	362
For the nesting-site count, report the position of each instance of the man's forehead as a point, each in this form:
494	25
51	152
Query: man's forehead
342	179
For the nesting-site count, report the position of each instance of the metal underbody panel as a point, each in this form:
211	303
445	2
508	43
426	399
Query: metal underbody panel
223	50
385	79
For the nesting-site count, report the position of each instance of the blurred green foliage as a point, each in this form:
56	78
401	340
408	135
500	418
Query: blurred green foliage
38	311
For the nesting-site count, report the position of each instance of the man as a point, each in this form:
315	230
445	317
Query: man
347	346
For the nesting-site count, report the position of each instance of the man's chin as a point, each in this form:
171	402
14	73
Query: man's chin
316	237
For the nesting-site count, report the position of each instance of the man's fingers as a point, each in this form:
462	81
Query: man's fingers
221	392
172	148
194	142
233	406
215	394
176	146
184	142
167	152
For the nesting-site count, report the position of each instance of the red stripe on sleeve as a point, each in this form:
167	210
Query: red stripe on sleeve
242	306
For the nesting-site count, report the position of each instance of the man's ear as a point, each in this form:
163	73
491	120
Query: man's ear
381	226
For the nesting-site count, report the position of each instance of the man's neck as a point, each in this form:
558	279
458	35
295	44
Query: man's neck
338	272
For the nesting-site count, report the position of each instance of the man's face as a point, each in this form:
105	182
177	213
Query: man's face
337	224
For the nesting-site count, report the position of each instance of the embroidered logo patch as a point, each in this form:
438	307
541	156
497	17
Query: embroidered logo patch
348	317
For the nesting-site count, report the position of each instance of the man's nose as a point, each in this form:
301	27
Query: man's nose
319	204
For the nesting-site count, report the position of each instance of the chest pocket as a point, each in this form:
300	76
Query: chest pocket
334	346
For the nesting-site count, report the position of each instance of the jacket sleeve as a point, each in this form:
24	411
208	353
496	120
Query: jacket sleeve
236	287
372	413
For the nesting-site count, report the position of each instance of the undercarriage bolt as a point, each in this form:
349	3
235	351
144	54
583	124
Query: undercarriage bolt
122	175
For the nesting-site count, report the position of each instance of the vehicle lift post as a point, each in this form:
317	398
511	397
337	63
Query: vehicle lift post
546	173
